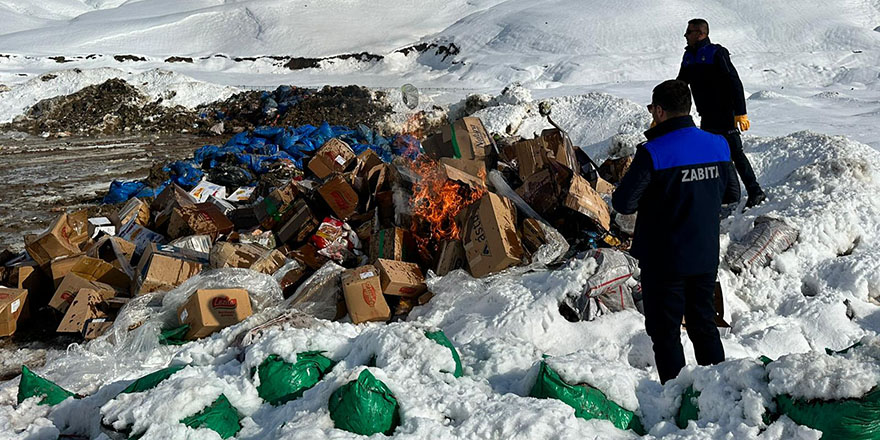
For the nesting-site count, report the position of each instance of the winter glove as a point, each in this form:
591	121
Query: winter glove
742	122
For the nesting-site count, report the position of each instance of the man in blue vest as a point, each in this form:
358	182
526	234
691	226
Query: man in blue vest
718	93
677	182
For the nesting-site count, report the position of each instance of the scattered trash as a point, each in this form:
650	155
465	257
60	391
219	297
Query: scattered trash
769	237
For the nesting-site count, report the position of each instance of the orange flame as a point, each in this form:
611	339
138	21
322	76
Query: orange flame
437	200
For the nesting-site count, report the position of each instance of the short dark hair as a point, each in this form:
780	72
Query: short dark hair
672	95
703	24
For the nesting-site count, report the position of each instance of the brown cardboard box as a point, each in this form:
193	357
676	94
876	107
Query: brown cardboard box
307	254
489	236
277	207
533	236
456	174
333	157
244	255
466	138
613	170
558	142
96	327
584	199
543	190
60	267
166	267
291	280
71	285
209	310
244	217
473	167
170	198
134	208
301	225
199	219
363	295
12	302
61	239
114	250
94	269
400	278
101	225
270	262
139	235
340	196
530	156
452	256
83	308
366	161
602	186
392	244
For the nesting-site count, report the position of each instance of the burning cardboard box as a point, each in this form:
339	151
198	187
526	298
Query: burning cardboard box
340	196
63	238
585	200
400	278
210	310
199	219
84	307
333	157
70	287
490	239
392	244
362	290
166	267
277	207
473	167
12	302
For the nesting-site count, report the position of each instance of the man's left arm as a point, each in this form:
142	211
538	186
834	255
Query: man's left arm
736	85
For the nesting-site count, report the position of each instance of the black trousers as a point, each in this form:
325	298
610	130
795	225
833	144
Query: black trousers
667	299
743	166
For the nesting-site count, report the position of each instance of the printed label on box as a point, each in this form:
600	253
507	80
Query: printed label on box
367	274
14	306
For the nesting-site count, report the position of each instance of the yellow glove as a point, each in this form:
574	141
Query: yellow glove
742	122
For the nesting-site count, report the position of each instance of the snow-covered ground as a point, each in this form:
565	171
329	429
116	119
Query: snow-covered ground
811	70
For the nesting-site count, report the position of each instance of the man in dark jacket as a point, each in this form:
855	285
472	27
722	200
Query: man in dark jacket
718	93
677	182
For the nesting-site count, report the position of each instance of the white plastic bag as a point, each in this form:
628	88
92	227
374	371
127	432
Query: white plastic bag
769	237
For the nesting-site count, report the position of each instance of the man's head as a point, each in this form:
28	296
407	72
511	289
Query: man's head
670	99
697	30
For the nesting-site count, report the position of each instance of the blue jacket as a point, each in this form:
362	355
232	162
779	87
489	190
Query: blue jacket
717	89
677	182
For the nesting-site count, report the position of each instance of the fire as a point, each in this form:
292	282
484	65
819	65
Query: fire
436	201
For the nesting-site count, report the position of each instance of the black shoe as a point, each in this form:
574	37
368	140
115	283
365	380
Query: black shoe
755	200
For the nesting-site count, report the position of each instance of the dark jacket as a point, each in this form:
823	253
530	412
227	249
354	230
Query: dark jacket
677	182
717	89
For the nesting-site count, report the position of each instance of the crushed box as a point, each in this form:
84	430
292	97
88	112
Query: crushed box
585	200
164	204
392	244
134	208
340	196
451	257
12	302
333	157
71	285
101	225
362	290
199	219
210	310
489	236
277	207
85	306
400	278
61	266
465	138
301	225
531	157
96	327
166	267
63	238
558	143
243	255
139	235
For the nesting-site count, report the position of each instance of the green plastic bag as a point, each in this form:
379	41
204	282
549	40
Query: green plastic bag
174	336
151	380
365	406
852	419
830	352
588	402
221	417
281	381
32	385
689	409
440	338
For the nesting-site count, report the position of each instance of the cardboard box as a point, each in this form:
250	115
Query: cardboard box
114	250
584	199
224	206
340	196
277	207
101	225
533	236
543	190
61	239
206	189
209	310
243	255
301	225
400	278
270	262
613	170
166	267
83	308
170	198
291	280
366	161
12	302
458	175
199	219
94	269
489	236
60	267
244	217
558	142
96	327
135	209
333	157
139	235
308	255
362	290
473	167
242	194
452	256
530	156
465	138
602	186
392	244
71	285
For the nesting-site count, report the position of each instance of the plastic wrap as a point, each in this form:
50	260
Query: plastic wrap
609	289
626	222
769	237
199	243
556	246
318	295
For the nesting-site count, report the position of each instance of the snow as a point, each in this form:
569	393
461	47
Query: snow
811	77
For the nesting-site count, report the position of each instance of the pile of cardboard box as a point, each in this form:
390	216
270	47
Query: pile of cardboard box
355	210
